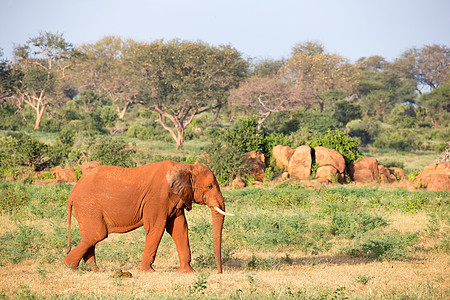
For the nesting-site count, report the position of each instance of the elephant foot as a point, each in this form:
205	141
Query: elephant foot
186	269
70	264
147	269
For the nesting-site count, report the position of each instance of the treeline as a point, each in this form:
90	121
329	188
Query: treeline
173	90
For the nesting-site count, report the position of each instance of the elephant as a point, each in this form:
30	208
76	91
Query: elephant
112	199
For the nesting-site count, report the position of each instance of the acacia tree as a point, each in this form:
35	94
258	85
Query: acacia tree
314	71
102	67
40	60
180	79
266	96
429	66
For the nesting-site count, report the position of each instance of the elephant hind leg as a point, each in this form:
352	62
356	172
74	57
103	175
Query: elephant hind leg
72	259
89	258
86	249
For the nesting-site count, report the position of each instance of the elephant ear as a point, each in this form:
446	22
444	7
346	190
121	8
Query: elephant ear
180	181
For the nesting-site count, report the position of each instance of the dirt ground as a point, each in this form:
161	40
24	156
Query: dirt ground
424	277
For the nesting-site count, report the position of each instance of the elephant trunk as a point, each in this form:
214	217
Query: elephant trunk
217	225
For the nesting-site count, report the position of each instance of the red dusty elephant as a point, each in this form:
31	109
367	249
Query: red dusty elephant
117	200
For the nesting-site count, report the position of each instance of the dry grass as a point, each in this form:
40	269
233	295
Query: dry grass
309	275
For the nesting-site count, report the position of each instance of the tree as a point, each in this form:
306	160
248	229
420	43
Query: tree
180	79
379	89
265	96
314	71
428	66
437	104
103	67
40	60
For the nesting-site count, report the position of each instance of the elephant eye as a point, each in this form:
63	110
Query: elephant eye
210	186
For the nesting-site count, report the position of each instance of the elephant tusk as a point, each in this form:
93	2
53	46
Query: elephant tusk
222	212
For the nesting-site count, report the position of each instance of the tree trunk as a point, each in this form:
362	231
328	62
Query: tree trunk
123	111
180	138
39	114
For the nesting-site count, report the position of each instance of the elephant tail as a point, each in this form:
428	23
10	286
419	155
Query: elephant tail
69	221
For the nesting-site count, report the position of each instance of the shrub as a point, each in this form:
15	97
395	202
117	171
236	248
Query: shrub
20	149
226	162
245	136
13	199
366	130
111	152
18	245
345	111
382	246
351	225
397	140
346	145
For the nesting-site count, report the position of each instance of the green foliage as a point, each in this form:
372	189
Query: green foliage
111	152
363	279
21	150
364	129
382	246
199	286
345	111
346	145
245	136
10	118
398	140
12	199
351	225
19	244
225	161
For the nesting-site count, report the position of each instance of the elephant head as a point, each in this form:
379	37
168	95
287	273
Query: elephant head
196	183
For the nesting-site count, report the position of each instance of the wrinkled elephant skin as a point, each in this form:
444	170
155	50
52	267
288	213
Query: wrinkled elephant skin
117	200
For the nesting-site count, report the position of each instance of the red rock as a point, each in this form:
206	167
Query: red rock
364	170
439	182
256	163
327	172
385	175
238	183
435	177
398	173
300	163
282	155
329	157
66	174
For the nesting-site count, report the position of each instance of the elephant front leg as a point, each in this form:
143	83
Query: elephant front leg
177	227
152	239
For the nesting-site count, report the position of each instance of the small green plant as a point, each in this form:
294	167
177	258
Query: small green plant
199	285
363	279
413	174
12	200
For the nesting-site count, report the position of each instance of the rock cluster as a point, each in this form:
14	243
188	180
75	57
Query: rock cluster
298	162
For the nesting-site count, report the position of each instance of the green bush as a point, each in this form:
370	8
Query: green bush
226	162
382	246
111	152
20	149
20	244
351	225
366	130
12	199
244	135
397	140
346	145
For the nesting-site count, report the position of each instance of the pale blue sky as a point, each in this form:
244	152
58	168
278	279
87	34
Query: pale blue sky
257	28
